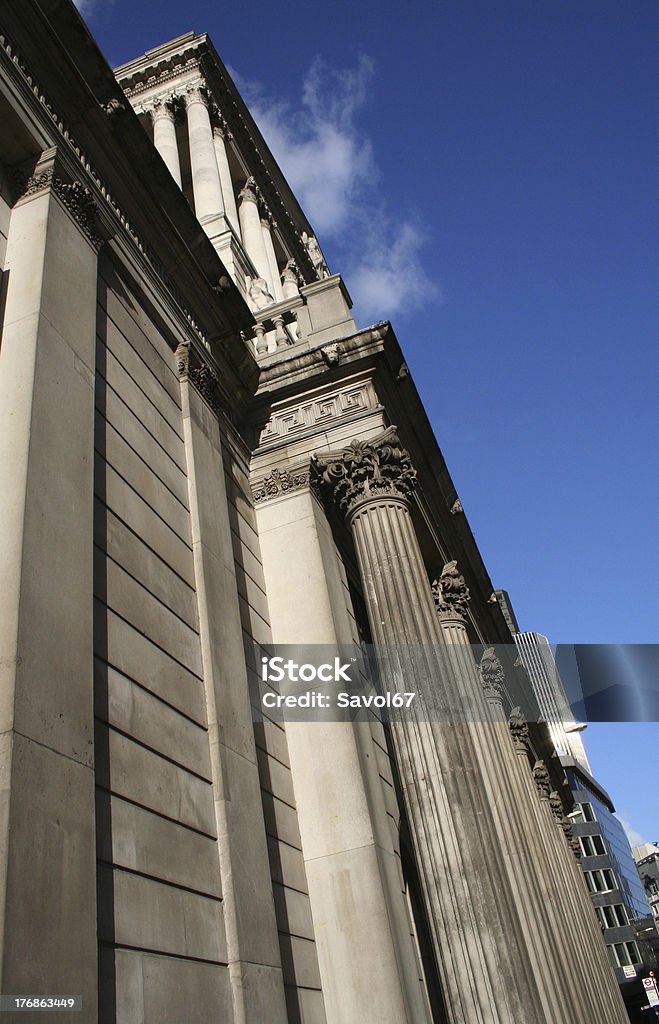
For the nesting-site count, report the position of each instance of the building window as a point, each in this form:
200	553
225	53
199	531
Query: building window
601	881
592	846
612	917
582	812
623	954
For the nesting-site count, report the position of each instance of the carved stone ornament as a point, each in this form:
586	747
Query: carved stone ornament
114	108
556	805
78	199
332	353
519	730
182	356
492	675
249	191
450	592
456	507
541	779
278	482
377	468
206	382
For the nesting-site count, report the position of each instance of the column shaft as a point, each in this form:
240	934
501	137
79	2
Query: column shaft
164	139
273	279
228	195
250	225
496	896
209	205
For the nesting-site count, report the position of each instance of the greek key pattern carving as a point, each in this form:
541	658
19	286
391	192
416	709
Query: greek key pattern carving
321	410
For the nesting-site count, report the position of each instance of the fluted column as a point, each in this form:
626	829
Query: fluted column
495	939
164	137
220	137
206	187
250	226
273	279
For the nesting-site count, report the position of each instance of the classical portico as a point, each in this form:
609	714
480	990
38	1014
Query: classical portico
516	944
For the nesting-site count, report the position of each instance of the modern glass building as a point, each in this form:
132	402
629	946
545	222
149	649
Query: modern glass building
616	889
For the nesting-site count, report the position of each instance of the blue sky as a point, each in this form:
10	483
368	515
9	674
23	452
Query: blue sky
484	175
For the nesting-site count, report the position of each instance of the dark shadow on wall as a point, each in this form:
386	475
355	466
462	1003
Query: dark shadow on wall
107	982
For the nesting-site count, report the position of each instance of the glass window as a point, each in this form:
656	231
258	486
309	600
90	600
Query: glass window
623	954
582	812
592	846
602	880
614	916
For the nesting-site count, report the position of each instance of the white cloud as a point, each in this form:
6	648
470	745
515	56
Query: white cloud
330	164
84	6
635	838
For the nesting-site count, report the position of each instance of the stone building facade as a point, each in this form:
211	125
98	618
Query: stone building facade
199	450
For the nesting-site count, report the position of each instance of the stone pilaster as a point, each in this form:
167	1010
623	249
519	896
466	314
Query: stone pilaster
47	364
253	951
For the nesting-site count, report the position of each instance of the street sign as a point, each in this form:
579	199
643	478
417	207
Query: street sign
629	971
653	998
648	983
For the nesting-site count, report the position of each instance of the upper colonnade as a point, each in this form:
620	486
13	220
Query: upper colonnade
214	152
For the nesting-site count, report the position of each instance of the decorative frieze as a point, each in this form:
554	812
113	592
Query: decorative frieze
450	592
492	675
334	406
366	470
280	481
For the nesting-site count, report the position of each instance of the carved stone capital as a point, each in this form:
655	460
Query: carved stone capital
162	107
249	191
49	174
492	676
366	470
541	779
519	730
291	273
451	593
207	384
280	481
556	805
182	356
195	92
191	367
79	200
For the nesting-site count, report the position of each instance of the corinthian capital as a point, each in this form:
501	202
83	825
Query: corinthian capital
492	675
377	468
450	592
